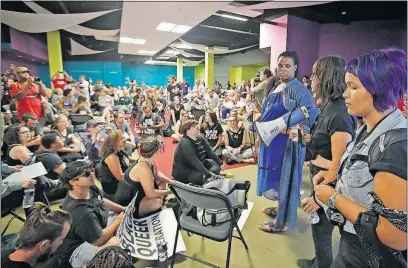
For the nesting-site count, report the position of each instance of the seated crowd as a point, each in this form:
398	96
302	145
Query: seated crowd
41	126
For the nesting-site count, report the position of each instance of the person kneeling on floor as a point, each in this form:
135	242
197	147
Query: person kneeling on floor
194	160
93	227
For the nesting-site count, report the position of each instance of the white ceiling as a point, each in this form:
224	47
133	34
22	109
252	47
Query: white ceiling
140	19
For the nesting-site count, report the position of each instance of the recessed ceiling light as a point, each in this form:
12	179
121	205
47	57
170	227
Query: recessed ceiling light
184	46
150	52
233	17
166	27
19	56
127	40
181	29
343	13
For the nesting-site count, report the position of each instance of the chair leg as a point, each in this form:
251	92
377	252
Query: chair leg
8	225
229	248
241	237
17	216
175	246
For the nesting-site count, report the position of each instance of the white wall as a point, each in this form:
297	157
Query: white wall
222	65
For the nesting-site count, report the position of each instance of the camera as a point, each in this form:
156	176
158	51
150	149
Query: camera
36	79
258	77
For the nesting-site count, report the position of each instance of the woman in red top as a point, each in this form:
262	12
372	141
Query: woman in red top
27	94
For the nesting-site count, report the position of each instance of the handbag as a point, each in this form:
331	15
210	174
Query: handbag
236	191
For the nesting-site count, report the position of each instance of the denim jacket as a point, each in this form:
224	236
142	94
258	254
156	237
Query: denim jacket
355	181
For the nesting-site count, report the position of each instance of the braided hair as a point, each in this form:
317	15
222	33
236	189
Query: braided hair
111	257
150	146
294	56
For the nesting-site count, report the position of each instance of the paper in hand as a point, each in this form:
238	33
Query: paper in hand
28	172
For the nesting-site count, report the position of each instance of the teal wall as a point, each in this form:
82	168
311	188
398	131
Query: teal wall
115	72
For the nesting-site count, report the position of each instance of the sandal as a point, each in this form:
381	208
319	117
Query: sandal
271	212
269	227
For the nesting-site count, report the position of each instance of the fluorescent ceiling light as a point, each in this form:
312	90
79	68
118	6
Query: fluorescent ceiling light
149	62
127	40
181	29
184	46
163	58
150	52
171	52
166	27
158	62
233	17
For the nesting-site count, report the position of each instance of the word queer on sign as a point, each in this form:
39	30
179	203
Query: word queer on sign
141	236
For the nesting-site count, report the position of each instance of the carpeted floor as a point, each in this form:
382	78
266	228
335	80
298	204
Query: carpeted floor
265	250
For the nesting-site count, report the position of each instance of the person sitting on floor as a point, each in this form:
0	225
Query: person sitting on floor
194	160
235	149
114	163
176	129
82	107
92	227
16	138
67	102
42	233
212	132
67	153
142	179
150	123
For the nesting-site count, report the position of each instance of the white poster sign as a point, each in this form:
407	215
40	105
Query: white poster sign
141	236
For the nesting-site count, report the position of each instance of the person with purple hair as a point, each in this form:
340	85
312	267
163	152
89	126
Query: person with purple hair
371	183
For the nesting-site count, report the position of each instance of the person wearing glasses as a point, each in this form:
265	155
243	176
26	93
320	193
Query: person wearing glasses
92	228
333	130
114	162
16	138
194	160
371	183
143	180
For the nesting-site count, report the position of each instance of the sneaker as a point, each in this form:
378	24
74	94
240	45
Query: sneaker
305	263
224	174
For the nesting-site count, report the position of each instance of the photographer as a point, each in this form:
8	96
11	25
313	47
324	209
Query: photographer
258	90
28	92
60	80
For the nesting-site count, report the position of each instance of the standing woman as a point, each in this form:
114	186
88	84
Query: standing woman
280	164
333	130
372	179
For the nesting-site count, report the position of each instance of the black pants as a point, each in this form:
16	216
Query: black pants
196	177
322	234
351	253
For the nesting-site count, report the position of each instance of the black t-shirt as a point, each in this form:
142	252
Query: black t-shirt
6	262
176	112
235	138
211	133
89	218
171	88
393	160
333	118
50	161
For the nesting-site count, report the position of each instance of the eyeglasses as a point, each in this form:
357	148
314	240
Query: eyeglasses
87	174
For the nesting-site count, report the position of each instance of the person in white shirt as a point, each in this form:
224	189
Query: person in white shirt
212	102
83	87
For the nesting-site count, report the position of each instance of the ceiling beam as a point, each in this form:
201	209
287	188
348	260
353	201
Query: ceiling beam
65	9
227	30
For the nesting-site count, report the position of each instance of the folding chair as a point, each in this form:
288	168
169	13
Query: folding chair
7	211
79	121
197	113
209	199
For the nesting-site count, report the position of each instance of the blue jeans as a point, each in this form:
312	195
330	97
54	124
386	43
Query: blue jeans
224	112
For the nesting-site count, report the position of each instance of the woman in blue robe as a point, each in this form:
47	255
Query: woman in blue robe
280	164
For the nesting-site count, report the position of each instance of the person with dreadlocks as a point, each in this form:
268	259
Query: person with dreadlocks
142	179
111	257
93	226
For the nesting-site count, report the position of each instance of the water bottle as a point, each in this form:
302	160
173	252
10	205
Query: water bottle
312	217
28	200
162	253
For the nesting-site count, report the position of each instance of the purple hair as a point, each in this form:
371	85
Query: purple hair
383	73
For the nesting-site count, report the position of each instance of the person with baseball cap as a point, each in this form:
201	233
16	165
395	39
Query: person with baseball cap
27	93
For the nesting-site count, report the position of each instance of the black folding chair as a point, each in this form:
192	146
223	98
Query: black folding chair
209	199
79	121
